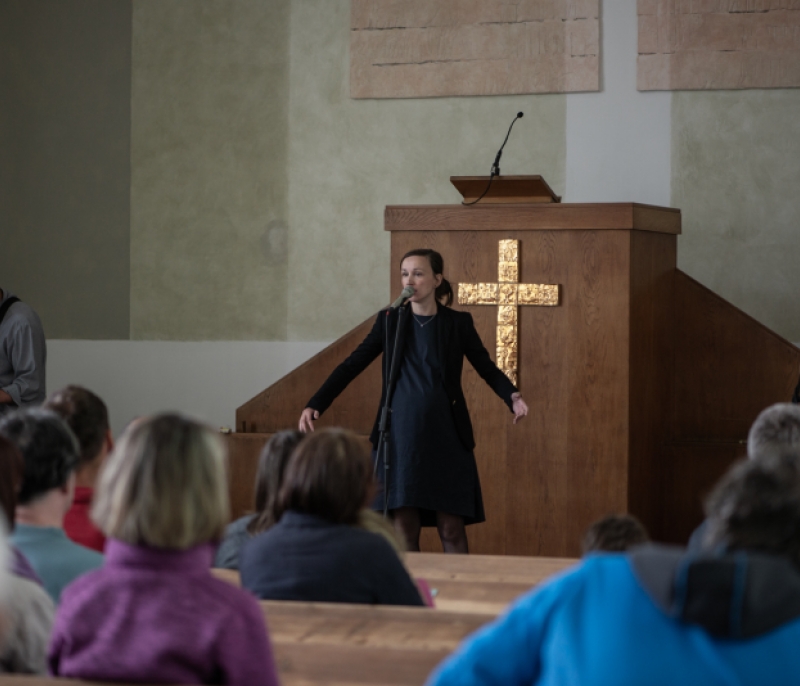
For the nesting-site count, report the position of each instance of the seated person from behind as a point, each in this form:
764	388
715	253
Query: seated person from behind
27	610
154	613
774	432
269	477
87	416
658	615
614	534
316	552
50	453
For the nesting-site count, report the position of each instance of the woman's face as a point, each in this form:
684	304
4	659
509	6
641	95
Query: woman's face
416	272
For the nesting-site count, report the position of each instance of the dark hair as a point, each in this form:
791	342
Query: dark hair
756	506
775	430
269	477
614	534
49	450
444	290
11	470
329	475
86	414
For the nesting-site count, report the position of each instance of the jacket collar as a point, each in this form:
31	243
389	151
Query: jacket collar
197	559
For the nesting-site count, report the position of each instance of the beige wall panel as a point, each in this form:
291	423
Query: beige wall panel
414	49
350	158
65	163
716	44
209	184
735	165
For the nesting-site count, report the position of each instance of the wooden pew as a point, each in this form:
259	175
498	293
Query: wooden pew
339	643
362	644
484	584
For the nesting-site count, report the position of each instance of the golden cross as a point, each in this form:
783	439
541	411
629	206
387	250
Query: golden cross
508	294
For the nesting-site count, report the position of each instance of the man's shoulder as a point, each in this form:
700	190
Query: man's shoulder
20	314
70	553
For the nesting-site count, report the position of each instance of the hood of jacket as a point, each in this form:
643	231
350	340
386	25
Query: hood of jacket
731	595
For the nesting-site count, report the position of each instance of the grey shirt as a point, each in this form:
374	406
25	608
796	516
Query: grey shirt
23	355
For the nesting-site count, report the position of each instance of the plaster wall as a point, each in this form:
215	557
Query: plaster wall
348	159
618	140
735	171
208	153
65	162
204	379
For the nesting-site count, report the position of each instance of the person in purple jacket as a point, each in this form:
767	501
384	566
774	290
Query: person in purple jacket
154	613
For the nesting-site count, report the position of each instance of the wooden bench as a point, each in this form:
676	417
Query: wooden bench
339	643
362	644
484	584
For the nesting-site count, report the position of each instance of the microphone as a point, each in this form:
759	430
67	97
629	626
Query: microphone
408	291
496	165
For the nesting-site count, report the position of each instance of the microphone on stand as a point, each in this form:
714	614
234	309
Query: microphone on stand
408	291
496	166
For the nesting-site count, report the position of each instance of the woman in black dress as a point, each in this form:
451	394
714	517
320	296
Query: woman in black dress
434	478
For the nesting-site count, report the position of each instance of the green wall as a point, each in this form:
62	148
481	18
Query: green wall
350	158
735	175
196	170
65	162
209	141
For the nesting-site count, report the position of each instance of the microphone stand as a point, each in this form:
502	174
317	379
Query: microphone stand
385	423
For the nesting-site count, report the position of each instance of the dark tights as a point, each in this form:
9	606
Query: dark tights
451	529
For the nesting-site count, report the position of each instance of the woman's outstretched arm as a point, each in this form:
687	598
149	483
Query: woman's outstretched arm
357	362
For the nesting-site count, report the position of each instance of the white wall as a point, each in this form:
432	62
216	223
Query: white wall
618	139
207	380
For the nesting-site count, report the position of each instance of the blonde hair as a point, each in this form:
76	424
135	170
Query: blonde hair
371	521
164	485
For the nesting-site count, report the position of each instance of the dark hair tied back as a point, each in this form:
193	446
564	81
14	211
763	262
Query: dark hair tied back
444	291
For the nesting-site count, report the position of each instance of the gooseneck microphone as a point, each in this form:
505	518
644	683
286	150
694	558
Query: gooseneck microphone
408	291
496	166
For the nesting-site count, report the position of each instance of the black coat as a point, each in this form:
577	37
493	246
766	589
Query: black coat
304	557
457	339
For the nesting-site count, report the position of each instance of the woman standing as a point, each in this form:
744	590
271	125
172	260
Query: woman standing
434	478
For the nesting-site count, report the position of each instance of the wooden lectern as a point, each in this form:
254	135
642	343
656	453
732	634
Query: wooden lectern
642	384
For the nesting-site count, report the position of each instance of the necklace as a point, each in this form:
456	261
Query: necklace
421	324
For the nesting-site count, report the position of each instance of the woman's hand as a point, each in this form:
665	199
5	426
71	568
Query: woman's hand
309	415
519	406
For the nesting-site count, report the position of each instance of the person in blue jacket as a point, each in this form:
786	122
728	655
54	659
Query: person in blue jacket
657	615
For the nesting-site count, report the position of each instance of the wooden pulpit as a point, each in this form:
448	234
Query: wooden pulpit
642	384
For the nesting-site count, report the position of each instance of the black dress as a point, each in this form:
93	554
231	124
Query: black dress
430	468
432	434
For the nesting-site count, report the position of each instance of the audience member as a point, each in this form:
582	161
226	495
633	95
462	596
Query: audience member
776	431
87	416
154	613
614	534
50	453
269	477
316	551
27	610
12	469
23	354
659	615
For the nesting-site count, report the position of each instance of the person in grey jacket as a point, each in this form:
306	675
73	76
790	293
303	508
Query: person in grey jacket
23	354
